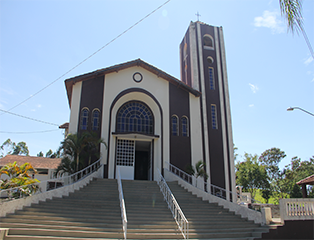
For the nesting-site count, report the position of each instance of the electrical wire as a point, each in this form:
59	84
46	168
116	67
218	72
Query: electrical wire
33	95
33	119
45	131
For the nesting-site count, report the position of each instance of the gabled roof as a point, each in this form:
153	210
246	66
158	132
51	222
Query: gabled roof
138	62
36	162
309	180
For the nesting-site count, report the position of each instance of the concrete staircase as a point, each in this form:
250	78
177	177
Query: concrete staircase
210	221
90	213
148	214
93	212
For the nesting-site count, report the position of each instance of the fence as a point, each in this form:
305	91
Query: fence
296	209
122	205
212	189
174	207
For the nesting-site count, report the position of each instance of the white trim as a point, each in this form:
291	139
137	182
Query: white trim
222	113
227	100
75	107
200	52
193	57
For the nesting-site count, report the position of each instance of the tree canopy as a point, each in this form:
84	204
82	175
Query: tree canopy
9	147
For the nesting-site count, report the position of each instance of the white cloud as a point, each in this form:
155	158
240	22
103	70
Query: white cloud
7	91
253	87
308	61
269	20
39	105
251	105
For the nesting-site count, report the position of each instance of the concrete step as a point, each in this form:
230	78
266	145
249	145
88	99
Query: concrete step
207	220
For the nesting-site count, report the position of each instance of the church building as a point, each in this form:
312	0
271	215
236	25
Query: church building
149	118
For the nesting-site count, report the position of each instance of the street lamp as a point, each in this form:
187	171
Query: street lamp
292	108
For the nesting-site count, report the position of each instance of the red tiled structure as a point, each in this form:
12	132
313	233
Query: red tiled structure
36	162
45	166
306	181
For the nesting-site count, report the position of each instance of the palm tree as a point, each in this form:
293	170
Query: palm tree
92	146
75	145
292	11
200	170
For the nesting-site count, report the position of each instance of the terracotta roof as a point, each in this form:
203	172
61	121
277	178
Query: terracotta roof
138	62
36	162
309	180
64	126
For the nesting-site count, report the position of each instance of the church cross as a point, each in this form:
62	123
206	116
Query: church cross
198	16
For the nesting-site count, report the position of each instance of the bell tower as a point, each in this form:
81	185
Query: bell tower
203	67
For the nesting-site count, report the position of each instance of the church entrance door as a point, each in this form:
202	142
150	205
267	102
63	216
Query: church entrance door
134	159
142	161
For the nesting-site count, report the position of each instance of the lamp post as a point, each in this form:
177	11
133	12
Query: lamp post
292	108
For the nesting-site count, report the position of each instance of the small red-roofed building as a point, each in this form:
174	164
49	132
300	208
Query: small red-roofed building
306	181
45	167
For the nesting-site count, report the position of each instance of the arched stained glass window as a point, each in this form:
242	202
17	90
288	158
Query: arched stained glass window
185	126
84	118
96	117
174	125
135	117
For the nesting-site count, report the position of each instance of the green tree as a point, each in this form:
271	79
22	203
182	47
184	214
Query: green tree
200	170
271	159
9	147
19	177
292	11
296	171
40	154
74	145
250	174
275	187
66	166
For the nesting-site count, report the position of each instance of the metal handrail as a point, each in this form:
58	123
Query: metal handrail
122	205
50	184
202	185
174	207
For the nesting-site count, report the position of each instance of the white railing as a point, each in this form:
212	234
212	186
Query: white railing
212	189
122	205
46	185
296	209
174	207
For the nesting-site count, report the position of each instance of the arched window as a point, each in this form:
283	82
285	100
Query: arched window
208	42
84	118
135	117
185	126
96	117
174	125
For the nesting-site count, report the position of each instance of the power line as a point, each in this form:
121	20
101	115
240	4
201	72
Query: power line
33	95
45	131
33	119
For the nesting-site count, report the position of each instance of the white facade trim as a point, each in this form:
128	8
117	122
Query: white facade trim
222	113
200	51
227	100
75	107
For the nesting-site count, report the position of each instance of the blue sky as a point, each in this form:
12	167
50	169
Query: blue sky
269	69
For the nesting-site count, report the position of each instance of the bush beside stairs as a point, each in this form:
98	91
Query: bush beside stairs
93	212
